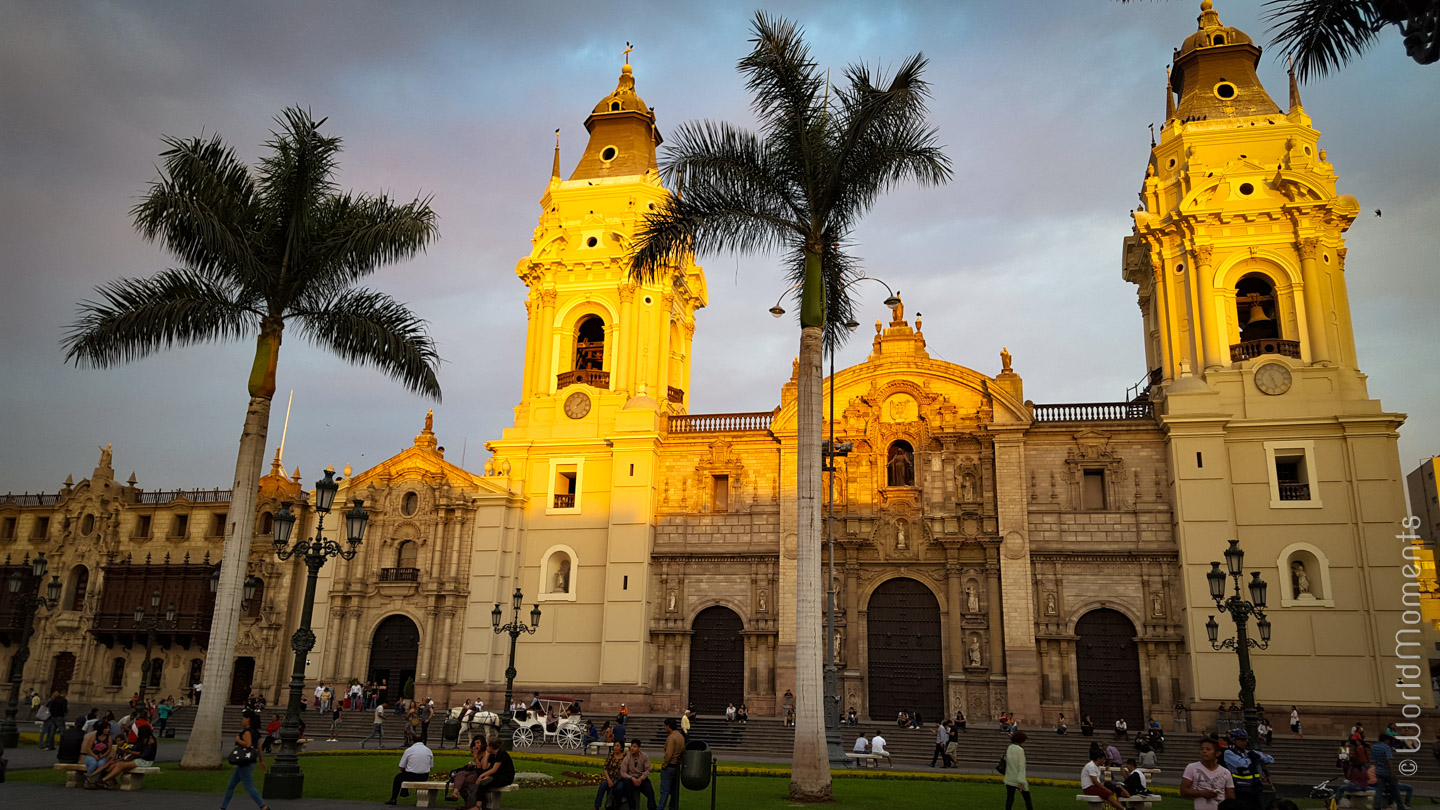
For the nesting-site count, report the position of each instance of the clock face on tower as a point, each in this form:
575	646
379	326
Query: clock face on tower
1272	379
577	405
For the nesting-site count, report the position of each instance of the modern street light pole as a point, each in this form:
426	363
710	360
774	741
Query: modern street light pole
831	452
28	603
1240	611
286	780
515	628
151	627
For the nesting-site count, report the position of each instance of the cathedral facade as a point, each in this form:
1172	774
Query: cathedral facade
990	553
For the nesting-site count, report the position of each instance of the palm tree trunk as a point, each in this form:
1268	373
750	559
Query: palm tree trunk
810	765
204	748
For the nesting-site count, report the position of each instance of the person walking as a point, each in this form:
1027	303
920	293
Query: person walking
57	707
415	766
162	716
670	766
1015	771
244	773
1387	786
379	729
942	739
335	721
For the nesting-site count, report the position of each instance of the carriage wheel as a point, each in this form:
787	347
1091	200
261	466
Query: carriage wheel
569	737
522	737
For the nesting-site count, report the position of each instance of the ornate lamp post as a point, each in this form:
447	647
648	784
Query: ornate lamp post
829	453
151	626
285	780
1240	611
27	603
515	628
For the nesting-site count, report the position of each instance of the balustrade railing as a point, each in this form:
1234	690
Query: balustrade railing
1250	349
1136	411
1294	492
721	422
593	377
399	574
564	501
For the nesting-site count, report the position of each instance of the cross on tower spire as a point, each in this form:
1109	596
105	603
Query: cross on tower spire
628	49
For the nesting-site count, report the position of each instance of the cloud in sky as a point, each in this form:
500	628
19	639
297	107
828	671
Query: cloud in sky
1043	106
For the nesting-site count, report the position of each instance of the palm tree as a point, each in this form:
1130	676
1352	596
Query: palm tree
799	188
259	249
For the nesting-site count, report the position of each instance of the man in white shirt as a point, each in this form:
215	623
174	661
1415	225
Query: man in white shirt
877	747
379	729
319	693
415	766
862	745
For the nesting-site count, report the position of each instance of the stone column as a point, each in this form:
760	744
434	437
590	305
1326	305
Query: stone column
767	663
447	643
852	617
749	665
623	378
1161	298
684	666
1013	586
1211	340
1314	304
352	628
532	320
997	621
544	346
957	617
426	661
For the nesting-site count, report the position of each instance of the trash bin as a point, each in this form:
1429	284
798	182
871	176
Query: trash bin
695	765
450	732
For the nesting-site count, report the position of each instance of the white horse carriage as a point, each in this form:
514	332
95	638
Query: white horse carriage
553	721
473	722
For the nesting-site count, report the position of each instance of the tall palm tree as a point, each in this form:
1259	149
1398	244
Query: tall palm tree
798	187
259	249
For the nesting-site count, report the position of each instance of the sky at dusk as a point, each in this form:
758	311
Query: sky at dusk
1042	106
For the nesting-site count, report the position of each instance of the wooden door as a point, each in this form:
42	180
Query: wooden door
903	643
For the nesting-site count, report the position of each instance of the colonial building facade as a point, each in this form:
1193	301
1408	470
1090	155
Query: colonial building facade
991	554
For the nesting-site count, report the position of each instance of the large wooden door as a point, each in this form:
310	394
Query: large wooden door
903	644
64	669
1107	665
394	652
241	679
717	661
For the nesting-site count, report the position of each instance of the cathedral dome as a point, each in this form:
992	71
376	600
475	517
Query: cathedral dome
1213	33
624	98
623	136
1214	73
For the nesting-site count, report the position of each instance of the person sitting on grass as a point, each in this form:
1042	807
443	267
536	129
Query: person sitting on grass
141	756
1092	779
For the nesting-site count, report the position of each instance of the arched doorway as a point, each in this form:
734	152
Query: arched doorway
63	670
394	650
241	679
1107	666
903	643
717	660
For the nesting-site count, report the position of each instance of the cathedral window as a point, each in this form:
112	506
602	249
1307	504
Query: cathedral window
7	532
117	672
407	555
267	524
564	486
77	586
87	524
1092	492
609	154
1293	479
409	504
590	344
180	526
900	464
41	529
217	524
720	500
157	672
1255	308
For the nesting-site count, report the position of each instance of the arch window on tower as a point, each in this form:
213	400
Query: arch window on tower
900	464
590	344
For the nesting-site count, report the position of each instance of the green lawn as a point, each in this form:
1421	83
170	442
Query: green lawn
367	777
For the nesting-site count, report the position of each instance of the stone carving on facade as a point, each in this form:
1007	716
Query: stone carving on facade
1051	607
761	605
1157	604
670	603
972	599
975	652
1300	579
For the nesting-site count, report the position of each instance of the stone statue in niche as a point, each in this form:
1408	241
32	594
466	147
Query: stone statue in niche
562	577
975	659
967	488
670	604
1157	604
840	645
901	542
972	599
901	465
1301	580
761	606
1051	609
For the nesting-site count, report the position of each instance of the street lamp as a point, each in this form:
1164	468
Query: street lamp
27	602
830	452
515	628
1240	611
286	780
151	627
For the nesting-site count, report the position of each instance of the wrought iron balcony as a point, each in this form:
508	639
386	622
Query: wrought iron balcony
675	395
721	422
592	377
399	574
1294	492
564	500
1250	349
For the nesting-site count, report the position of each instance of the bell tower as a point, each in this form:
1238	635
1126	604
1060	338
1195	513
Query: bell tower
1239	256
592	328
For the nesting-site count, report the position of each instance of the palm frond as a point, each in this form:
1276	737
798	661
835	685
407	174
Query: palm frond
295	177
358	234
367	327
134	317
201	207
785	83
1322	35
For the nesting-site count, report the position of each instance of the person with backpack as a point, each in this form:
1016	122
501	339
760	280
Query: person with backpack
54	710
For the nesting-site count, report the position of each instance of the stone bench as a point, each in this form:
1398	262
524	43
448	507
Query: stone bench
1366	798
859	760
430	794
596	748
1133	801
133	779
